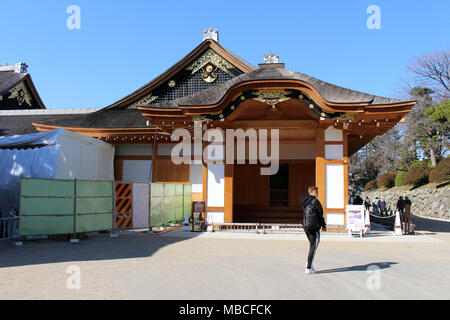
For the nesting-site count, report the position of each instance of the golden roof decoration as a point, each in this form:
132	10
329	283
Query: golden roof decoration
272	97
210	56
20	92
149	98
347	117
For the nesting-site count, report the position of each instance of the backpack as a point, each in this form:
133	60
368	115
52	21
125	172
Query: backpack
310	220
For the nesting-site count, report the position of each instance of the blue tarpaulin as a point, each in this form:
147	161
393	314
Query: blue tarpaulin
57	154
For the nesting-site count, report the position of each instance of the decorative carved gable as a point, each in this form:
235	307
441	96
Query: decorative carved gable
21	94
211	57
149	98
208	70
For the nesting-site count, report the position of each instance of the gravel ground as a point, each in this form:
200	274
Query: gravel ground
182	265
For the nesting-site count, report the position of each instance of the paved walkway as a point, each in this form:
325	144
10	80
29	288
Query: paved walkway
183	265
374	236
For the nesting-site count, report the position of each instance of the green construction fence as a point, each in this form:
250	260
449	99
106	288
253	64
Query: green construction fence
169	203
52	207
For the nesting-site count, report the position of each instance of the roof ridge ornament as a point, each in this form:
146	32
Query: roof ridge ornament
21	67
211	33
271	58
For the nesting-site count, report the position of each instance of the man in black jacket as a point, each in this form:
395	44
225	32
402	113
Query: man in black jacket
407	215
401	207
314	233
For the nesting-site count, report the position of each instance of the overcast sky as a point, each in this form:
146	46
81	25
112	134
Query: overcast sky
121	45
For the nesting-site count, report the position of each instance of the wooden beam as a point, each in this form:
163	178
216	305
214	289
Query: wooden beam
282	142
277	124
297	142
219	209
331	210
320	164
229	174
100	132
205	182
346	173
134	158
154	161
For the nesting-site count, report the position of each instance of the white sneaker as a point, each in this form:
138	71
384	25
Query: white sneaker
310	271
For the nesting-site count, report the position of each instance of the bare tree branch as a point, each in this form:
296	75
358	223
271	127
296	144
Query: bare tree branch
433	69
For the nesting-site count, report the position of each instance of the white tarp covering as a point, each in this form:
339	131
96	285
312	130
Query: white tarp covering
58	154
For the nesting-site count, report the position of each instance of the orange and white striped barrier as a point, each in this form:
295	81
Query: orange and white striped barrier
124	205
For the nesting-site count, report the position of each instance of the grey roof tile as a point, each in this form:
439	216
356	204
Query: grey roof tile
9	79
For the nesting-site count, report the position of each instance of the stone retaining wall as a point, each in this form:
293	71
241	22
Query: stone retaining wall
426	202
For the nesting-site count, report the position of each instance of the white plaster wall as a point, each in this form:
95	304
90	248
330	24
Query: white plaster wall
333	134
335	218
334	186
196	177
334	152
215	217
216	185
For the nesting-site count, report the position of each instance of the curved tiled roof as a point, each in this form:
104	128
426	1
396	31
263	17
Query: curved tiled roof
328	91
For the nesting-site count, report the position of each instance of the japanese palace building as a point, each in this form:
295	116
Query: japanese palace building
320	126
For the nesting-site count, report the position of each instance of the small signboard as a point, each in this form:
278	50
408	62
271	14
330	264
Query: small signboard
199	207
355	219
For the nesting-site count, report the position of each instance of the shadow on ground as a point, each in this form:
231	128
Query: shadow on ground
95	247
365	267
430	225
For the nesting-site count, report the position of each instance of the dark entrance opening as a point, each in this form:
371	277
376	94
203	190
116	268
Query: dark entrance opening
271	199
279	187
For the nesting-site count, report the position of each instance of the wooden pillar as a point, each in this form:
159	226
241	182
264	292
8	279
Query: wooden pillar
346	173
154	160
205	182
118	169
229	173
320	164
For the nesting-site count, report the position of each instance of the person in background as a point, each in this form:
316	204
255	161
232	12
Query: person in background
389	210
359	201
376	206
401	207
407	215
367	203
383	207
